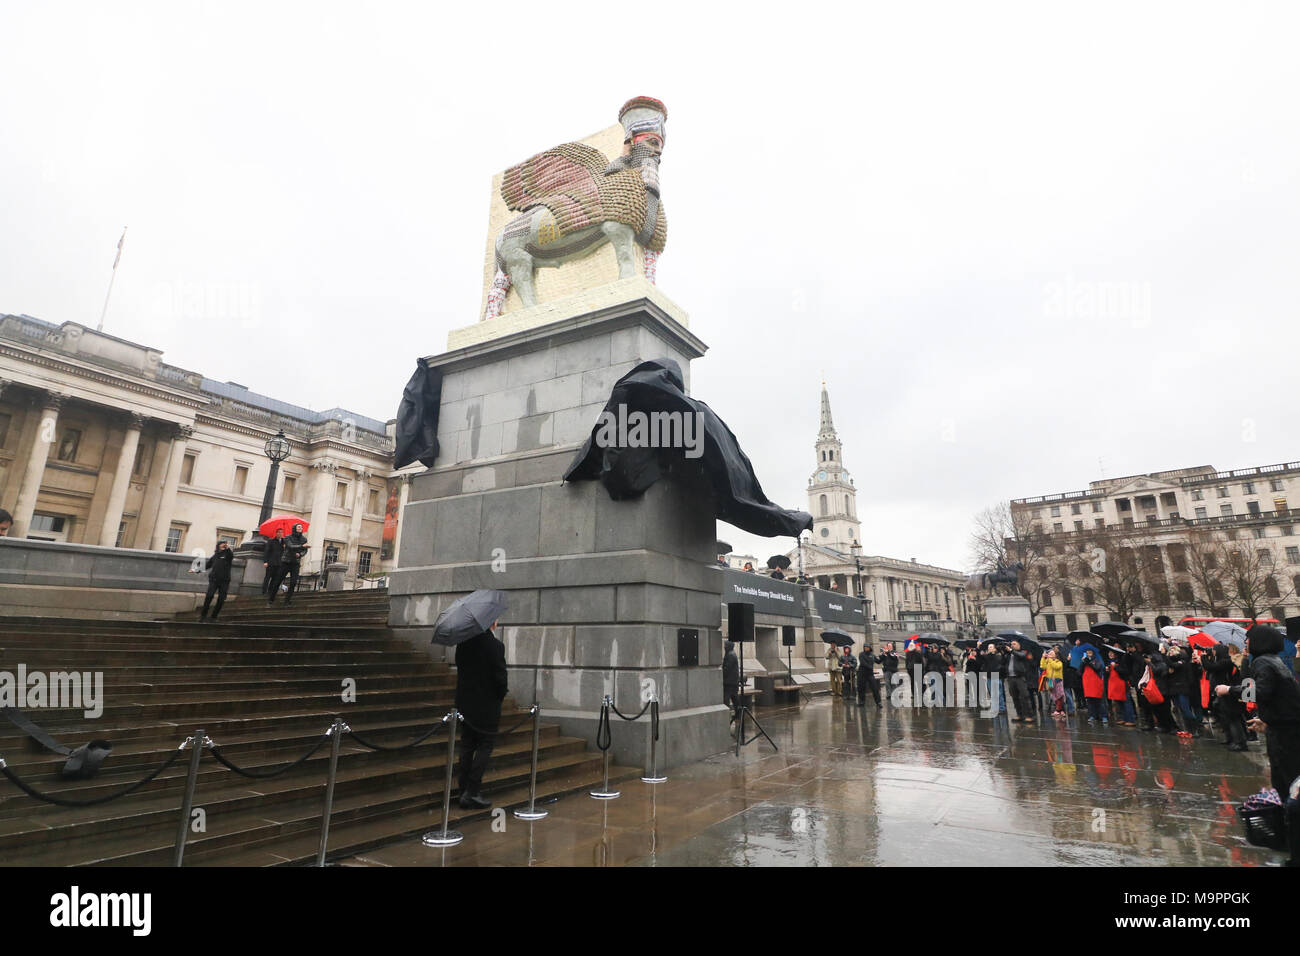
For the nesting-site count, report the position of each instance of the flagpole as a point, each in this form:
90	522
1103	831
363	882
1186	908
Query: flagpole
116	260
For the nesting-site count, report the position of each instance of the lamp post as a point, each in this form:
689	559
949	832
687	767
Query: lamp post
277	449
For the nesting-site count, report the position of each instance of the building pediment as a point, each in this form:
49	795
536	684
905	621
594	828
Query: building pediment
1142	485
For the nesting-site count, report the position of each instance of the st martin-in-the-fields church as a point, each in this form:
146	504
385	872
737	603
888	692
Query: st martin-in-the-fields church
903	593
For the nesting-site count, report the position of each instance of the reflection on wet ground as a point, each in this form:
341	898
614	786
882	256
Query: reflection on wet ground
855	786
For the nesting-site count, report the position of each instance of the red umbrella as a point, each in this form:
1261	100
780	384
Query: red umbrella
270	526
1201	639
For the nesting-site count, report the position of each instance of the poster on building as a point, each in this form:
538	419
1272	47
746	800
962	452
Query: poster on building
388	546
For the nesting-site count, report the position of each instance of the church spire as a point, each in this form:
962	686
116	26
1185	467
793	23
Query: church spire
827	429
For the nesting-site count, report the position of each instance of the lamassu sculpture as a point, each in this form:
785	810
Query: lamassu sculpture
572	200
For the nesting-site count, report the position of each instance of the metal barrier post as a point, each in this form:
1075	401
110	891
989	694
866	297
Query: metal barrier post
532	813
604	793
652	776
197	741
336	731
445	837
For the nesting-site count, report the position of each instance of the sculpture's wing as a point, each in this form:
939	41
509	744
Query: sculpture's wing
568	169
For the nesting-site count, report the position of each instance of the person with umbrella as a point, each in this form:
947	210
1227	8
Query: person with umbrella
1117	687
1093	673
847	667
481	683
833	668
295	546
273	556
1277	698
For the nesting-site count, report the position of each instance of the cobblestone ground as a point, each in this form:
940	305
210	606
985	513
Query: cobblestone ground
857	786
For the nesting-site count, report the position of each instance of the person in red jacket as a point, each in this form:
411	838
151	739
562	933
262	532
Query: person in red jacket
1094	688
1117	691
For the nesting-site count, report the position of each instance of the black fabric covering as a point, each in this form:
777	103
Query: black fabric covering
417	417
657	386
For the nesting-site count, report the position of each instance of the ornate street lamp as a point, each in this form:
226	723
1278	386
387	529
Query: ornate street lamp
856	550
277	449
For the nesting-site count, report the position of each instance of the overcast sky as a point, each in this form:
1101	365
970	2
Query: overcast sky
1027	245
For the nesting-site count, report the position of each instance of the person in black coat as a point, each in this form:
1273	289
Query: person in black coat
867	676
480	688
1017	665
1277	697
1163	711
1228	710
914	659
889	666
730	678
1184	681
272	556
1135	666
218	566
937	665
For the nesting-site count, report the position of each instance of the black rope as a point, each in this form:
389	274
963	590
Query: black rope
263	774
654	720
637	717
61	802
604	736
497	733
418	740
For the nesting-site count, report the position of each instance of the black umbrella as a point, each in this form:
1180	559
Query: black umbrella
1140	637
1031	645
1111	629
931	638
468	616
840	638
1052	637
778	561
721	547
965	645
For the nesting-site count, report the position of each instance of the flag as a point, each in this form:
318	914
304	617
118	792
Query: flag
117	258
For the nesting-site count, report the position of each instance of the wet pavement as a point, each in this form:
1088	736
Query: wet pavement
854	786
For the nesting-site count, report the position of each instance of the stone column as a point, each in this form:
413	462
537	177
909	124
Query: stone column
402	497
153	491
359	496
167	503
322	495
50	405
121	481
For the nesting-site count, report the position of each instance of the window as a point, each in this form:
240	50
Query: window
290	492
4	429
341	495
121	533
187	470
1123	504
241	479
373	506
1045	597
1247	487
1088	597
1096	507
1128	522
1050	621
1071	622
1056	511
1178	557
832	454
363	562
1078	526
823	501
1076	509
1271	589
1265	558
1099	522
52	523
1169	499
68	444
1225	510
1293	555
1057	527
1252	507
1198	494
1259	532
139	467
1279	504
1295	583
1184	593
1222	491
1067	598
1202	513
231	536
1275	485
1279	612
175	537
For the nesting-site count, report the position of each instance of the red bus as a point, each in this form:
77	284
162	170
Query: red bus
1245	622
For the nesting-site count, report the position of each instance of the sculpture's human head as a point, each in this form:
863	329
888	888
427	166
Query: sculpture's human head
643	119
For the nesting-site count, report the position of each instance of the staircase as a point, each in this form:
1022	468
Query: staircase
264	684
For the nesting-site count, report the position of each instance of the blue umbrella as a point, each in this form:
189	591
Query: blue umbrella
1078	651
1225	632
468	617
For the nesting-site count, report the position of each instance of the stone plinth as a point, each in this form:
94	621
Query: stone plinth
1009	614
597	588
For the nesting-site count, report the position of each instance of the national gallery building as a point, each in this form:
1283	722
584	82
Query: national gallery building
103	443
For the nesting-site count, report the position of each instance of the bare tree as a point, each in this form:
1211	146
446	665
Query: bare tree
1206	575
1122	569
1004	537
1251	576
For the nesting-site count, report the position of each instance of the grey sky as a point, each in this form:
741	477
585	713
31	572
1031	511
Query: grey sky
1015	240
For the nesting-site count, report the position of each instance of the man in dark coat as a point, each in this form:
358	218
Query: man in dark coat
218	566
914	659
295	546
867	676
1017	668
1163	711
1277	697
730	678
1184	681
1228	710
889	666
480	688
272	557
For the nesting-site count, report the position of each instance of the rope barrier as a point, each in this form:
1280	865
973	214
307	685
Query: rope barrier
418	740
654	719
63	802
604	734
264	774
497	733
624	716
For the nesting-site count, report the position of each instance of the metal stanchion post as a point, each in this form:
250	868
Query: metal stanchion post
445	837
653	775
532	813
197	741
604	793
337	730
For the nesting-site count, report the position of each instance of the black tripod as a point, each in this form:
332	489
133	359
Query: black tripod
743	712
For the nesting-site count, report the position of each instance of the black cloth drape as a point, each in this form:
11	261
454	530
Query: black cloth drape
417	418
656	386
